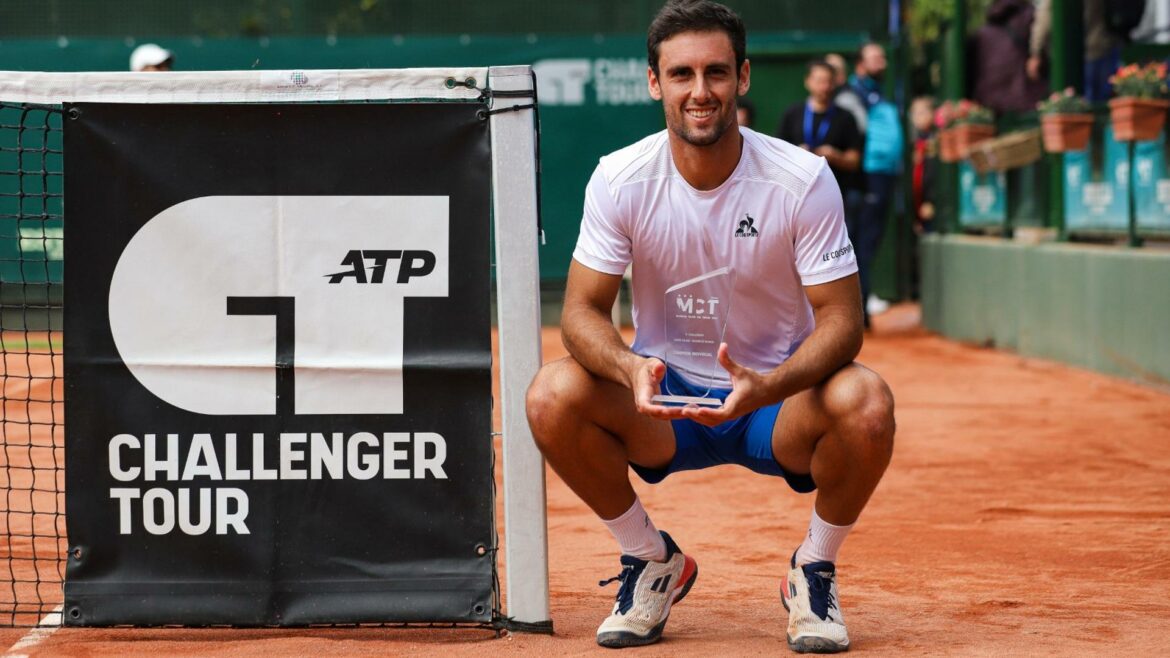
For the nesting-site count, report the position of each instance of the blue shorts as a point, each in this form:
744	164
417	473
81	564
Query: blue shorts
746	441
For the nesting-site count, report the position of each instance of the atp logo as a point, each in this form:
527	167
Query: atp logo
356	259
236	305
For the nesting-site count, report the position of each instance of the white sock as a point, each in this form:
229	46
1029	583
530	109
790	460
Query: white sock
822	542
637	535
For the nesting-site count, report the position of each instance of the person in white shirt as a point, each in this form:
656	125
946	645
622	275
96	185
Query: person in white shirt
705	194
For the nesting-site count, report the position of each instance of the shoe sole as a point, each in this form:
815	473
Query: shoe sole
815	645
624	639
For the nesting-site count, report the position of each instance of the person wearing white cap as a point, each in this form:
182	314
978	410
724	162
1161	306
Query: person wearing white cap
151	57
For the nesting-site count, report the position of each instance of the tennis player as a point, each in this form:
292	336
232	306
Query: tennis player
795	404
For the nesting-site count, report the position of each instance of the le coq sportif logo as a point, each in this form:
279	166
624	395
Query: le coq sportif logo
746	227
213	294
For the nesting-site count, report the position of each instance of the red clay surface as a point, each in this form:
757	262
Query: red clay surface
1026	512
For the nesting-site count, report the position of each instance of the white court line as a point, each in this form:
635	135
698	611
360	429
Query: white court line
38	634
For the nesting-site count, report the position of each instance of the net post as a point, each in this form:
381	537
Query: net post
514	182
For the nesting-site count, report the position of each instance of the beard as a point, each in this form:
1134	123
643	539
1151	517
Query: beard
701	137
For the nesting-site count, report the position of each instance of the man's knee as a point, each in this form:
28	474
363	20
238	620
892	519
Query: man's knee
551	398
862	404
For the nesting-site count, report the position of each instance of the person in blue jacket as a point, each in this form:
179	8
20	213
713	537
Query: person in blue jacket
878	120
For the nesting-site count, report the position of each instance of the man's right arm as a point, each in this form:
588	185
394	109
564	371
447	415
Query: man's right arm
589	335
595	272
587	327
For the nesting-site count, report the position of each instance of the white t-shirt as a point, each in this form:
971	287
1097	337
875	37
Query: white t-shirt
777	222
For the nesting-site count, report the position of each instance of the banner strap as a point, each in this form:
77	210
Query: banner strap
487	96
512	626
484	114
503	93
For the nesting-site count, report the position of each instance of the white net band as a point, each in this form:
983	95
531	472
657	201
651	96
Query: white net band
450	84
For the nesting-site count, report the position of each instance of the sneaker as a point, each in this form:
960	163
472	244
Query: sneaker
815	623
644	599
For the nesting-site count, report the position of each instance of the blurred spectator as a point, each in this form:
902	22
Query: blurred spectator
881	129
745	113
817	125
840	70
922	174
922	121
998	59
1102	42
151	57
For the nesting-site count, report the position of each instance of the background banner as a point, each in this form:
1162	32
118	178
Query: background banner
982	197
1151	184
1096	184
278	379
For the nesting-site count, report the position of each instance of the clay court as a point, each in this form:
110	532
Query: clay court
1026	512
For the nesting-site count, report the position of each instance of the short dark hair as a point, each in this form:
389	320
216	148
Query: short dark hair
695	16
819	64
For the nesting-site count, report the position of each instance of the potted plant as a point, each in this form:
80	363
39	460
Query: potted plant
1139	110
1066	121
969	124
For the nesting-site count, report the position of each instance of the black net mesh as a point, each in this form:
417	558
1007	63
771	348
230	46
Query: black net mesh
32	467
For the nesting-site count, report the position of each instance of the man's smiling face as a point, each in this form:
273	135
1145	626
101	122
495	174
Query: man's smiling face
698	85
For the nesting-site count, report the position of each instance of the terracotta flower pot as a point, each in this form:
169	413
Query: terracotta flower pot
1066	132
1137	119
968	135
955	142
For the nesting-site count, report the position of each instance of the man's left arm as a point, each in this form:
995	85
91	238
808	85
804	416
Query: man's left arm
833	343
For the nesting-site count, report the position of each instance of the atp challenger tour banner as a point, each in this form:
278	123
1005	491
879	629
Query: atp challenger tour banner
278	364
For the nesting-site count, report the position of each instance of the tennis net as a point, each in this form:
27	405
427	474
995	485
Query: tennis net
32	475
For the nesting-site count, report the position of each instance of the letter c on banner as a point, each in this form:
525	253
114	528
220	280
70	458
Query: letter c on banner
116	444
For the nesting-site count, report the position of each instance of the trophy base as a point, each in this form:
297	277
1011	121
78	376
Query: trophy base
684	400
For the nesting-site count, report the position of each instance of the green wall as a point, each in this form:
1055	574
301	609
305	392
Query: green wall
1104	308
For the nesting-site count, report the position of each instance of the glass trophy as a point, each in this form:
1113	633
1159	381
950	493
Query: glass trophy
695	316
